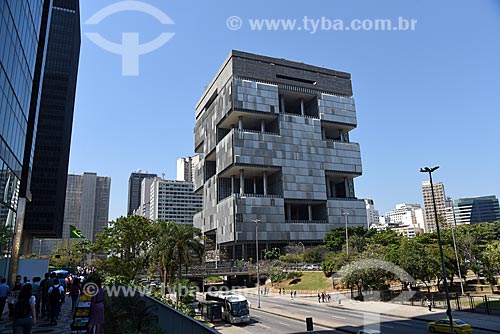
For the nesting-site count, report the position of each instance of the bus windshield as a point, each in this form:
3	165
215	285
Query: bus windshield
239	309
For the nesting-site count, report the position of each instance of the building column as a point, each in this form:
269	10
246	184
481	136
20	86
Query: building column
282	99
242	182
323	133
310	211
264	181
289	211
262	126
328	187
254	185
232	184
244	251
240	123
302	109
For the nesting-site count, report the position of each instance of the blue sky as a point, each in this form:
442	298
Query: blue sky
424	97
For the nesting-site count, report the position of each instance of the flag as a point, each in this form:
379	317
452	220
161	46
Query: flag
75	233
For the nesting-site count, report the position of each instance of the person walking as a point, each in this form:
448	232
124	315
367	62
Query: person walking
56	292
291	294
429	305
44	287
74	292
24	313
294	293
4	293
319	298
36	293
15	290
96	318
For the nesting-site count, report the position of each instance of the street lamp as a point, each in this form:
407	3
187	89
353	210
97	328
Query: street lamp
346	233
40	248
445	281
257	221
455	247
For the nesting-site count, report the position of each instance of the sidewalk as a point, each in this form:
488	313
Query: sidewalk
477	320
42	326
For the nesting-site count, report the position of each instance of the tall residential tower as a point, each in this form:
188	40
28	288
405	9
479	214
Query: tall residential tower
274	137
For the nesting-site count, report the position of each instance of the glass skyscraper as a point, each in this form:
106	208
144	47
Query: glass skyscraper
23	31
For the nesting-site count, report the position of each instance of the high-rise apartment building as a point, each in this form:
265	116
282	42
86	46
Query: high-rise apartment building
134	190
185	168
23	38
372	215
87	208
45	213
274	140
172	200
430	221
473	210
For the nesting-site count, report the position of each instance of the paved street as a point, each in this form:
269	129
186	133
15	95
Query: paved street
344	320
263	322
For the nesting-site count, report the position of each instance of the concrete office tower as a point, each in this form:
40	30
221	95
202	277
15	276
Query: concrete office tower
172	200
185	168
473	210
45	212
87	208
23	39
134	190
274	137
430	221
372	215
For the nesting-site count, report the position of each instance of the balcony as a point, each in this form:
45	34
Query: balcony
337	109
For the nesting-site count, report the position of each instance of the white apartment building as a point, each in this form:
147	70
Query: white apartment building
411	215
372	215
172	200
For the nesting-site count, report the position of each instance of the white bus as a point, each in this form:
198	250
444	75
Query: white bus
235	307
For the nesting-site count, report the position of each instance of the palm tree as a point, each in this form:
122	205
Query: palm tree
176	245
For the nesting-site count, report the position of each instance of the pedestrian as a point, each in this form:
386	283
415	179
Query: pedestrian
56	292
74	292
294	293
319	298
4	293
429	305
96	318
37	293
280	292
43	295
323	297
291	294
24	313
328	297
15	290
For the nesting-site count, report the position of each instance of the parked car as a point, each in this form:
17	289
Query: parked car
369	331
443	326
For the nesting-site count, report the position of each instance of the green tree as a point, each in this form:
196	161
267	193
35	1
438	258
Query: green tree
175	246
491	258
125	246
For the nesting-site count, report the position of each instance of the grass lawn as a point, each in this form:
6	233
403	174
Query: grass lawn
308	281
493	304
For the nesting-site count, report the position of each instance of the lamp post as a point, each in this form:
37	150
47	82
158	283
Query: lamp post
455	247
346	233
257	221
445	281
40	248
